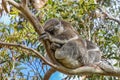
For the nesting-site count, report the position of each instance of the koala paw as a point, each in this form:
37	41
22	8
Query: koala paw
54	46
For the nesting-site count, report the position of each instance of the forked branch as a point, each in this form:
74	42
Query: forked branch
38	28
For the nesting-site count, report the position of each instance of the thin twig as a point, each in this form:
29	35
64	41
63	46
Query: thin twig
108	16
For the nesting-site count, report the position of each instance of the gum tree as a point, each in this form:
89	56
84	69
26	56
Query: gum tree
20	44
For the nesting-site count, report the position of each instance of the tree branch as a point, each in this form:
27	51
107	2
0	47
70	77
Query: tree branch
38	28
24	2
4	44
26	12
82	70
109	16
36	24
4	5
49	73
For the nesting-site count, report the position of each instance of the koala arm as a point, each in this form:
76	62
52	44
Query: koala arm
59	41
52	39
47	36
56	40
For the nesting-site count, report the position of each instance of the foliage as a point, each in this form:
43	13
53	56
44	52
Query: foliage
80	13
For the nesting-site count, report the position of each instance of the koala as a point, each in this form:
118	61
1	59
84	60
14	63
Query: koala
70	49
59	31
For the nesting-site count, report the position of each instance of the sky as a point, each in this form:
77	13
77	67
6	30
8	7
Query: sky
5	19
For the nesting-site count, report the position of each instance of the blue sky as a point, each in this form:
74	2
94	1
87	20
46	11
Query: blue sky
5	19
57	76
